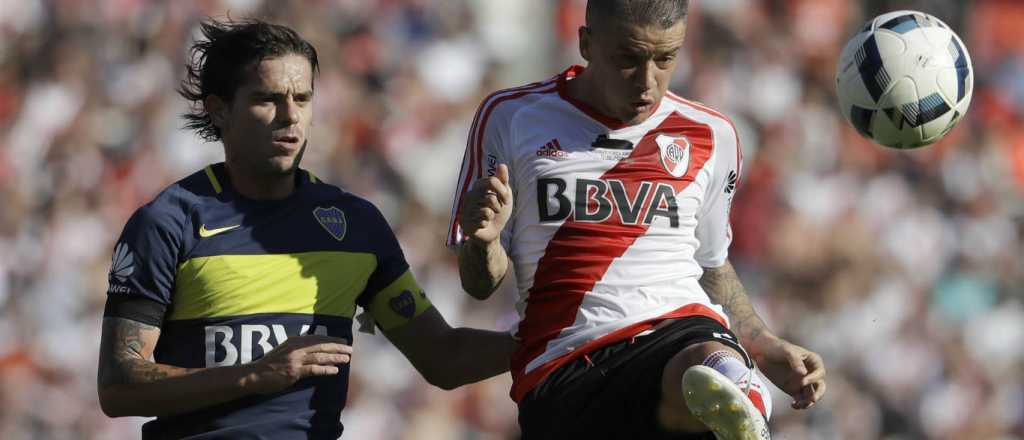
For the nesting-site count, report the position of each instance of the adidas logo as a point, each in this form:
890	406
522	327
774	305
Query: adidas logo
122	264
552	149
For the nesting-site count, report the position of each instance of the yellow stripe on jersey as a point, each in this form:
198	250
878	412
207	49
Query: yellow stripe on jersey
213	178
325	283
312	177
399	303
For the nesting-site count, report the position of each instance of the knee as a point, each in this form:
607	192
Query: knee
696	354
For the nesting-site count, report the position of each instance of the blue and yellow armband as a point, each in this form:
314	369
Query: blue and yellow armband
398	303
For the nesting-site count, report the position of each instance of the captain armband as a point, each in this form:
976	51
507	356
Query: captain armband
400	302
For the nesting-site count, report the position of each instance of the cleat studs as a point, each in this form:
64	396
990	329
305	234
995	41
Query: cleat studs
735	407
715	386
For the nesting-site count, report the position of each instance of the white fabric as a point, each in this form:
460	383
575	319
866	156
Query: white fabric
540	135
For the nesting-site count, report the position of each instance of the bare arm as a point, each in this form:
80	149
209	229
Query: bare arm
482	267
451	357
796	370
486	208
130	383
723	286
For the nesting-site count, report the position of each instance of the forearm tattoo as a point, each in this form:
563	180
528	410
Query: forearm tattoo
124	356
723	286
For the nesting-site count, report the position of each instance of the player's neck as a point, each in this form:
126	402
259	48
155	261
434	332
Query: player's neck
260	187
581	89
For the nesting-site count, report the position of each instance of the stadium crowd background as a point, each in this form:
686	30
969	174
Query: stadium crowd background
903	270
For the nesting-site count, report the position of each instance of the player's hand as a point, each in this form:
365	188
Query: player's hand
796	370
297	358
487	206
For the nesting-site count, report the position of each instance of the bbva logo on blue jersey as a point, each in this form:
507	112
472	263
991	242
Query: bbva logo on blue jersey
240	344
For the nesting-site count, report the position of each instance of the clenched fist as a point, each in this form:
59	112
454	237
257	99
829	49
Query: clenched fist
487	206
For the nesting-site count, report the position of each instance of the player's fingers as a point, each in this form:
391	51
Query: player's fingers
321	358
491	201
502	173
504	190
493	185
318	370
801	399
809	395
329	347
818	390
817	370
796	360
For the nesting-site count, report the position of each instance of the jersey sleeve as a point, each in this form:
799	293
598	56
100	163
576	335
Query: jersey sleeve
392	296
713	229
485	149
144	264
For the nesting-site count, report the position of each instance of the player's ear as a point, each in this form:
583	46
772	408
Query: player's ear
584	33
218	109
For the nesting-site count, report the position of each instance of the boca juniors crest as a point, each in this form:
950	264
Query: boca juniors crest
333	220
675	154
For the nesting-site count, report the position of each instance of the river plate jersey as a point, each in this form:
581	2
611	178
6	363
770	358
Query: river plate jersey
228	279
611	224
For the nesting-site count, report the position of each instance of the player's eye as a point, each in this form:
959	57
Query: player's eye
665	60
628	60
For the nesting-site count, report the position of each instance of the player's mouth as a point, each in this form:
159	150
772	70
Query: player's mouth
288	142
642	105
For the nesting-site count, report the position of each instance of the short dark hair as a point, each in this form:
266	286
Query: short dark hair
664	13
218	63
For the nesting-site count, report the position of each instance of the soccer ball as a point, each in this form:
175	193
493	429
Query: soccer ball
904	80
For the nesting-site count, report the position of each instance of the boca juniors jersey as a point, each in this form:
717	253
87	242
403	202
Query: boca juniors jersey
233	278
611	224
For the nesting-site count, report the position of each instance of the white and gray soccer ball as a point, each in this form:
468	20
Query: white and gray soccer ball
904	80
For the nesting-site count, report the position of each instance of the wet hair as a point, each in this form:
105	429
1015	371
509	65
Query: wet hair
664	13
218	63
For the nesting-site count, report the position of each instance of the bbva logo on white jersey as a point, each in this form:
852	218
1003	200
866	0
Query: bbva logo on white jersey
123	263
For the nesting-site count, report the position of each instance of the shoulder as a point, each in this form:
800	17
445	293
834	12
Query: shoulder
505	103
702	113
354	207
725	138
171	208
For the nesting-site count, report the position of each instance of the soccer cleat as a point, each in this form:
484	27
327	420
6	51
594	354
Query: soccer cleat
718	403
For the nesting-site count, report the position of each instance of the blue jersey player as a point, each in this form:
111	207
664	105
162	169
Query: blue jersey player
232	293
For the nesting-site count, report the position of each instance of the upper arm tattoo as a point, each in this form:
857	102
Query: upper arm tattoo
126	351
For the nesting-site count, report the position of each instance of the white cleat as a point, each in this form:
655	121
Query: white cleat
718	403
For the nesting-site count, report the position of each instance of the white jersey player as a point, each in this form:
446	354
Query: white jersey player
619	233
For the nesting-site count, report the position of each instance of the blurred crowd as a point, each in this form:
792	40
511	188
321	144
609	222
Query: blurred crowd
903	269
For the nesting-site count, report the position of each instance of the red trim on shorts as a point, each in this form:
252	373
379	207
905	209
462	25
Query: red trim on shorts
525	383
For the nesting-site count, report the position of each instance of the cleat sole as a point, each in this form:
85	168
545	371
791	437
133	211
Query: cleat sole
707	392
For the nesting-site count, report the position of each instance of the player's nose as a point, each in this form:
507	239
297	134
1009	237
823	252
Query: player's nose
288	111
